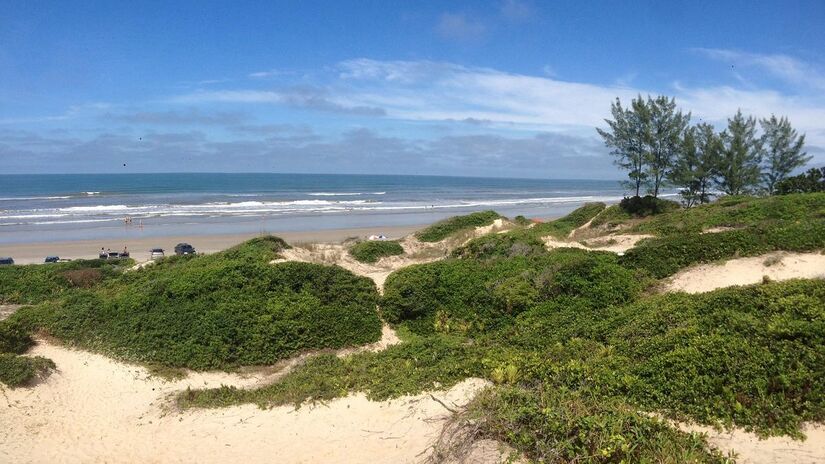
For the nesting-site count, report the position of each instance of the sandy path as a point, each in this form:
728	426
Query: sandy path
94	409
746	271
617	243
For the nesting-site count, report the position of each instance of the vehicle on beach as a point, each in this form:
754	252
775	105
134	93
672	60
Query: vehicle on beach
184	249
52	259
6	260
156	253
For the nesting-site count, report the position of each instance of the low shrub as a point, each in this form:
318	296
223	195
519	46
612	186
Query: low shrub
561	426
218	311
18	371
14	337
407	368
443	229
666	255
561	228
372	250
470	296
33	283
647	205
507	245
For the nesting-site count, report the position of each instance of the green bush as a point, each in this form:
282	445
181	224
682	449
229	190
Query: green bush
506	245
561	426
737	212
407	368
561	228
33	283
666	255
372	250
14	337
647	205
18	371
219	311
443	229
610	216
470	296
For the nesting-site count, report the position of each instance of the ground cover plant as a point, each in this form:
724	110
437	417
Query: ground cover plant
217	311
26	284
371	251
443	229
527	241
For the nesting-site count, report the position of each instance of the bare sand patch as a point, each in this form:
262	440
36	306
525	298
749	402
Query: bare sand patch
618	243
774	450
94	409
8	310
746	271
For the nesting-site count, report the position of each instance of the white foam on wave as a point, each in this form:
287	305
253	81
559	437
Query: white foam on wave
343	194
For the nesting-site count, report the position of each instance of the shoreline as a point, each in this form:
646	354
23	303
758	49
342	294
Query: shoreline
36	252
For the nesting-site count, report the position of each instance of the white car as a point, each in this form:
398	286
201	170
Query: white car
157	253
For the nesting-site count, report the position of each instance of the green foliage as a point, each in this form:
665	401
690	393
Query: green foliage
218	311
561	426
697	163
372	250
736	212
561	228
443	229
813	180
17	371
507	245
666	255
522	221
14	337
781	150
610	216
470	296
738	171
33	283
646	206
407	368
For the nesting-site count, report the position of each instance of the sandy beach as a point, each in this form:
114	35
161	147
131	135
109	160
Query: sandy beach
29	253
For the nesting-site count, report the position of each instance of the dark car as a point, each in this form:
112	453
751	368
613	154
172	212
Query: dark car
52	259
184	249
6	260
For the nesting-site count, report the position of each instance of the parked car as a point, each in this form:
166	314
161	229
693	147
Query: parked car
52	259
156	253
6	260
184	249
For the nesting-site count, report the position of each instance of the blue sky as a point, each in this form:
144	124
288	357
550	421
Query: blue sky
498	88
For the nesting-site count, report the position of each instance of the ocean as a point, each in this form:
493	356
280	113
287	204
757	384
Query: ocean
81	206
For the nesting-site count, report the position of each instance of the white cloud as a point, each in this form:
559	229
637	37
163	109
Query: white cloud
787	68
458	26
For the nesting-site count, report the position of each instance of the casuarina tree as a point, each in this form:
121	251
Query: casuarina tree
739	169
626	137
781	151
696	163
666	126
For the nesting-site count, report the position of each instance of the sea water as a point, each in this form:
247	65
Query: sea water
77	206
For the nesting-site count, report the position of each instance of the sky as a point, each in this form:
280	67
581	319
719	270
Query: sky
501	88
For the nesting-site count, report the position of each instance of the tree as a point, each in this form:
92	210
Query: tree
626	137
813	180
697	163
738	171
664	130
781	151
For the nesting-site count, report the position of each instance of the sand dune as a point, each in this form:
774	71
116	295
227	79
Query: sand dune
745	271
94	409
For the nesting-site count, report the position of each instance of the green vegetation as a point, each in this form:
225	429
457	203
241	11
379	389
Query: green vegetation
666	255
471	296
653	141
37	282
813	180
527	241
372	250
216	311
561	228
443	229
18	371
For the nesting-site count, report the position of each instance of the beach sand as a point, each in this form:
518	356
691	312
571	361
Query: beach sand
29	253
94	409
